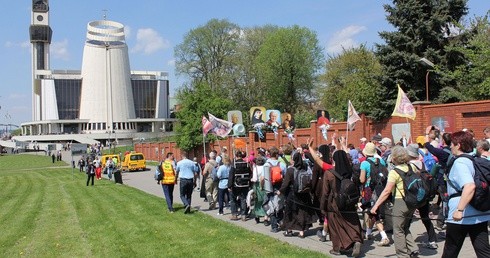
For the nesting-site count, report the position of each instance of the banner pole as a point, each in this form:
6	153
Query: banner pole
204	145
411	139
347	124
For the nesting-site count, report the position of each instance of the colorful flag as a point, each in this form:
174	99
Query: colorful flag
206	125
403	107
352	116
220	127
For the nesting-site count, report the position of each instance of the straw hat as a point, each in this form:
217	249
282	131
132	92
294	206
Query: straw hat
369	149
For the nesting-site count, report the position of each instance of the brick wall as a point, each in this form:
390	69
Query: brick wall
449	117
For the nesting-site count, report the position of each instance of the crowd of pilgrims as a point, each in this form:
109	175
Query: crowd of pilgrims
282	208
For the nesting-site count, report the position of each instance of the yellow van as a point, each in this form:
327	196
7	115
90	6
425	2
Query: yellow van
133	161
104	158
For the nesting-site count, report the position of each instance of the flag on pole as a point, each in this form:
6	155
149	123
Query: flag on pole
206	125
220	127
352	116
403	107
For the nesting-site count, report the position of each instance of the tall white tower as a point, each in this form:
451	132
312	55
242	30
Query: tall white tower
40	36
106	96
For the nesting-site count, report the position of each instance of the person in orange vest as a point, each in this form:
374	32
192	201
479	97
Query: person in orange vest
169	180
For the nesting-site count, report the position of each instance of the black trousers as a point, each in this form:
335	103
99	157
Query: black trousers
90	176
456	234
424	216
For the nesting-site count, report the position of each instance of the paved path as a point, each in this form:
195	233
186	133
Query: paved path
145	182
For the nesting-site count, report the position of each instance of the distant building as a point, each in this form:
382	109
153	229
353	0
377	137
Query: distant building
105	99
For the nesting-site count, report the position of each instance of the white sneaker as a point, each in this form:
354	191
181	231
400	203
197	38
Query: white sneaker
431	245
384	242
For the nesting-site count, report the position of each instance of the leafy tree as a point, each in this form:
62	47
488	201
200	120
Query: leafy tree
473	76
208	53
288	63
249	89
195	102
422	29
352	75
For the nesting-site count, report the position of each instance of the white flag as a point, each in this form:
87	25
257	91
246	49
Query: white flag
404	107
352	116
220	127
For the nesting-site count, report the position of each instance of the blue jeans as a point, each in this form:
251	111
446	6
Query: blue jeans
221	198
109	173
186	188
168	191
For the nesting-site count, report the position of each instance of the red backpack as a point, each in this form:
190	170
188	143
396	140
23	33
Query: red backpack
276	173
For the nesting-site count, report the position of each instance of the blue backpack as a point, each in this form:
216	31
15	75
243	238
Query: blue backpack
429	160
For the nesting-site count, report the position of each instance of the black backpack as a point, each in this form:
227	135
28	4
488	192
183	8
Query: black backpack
356	174
481	198
379	176
242	174
430	179
416	187
348	193
302	180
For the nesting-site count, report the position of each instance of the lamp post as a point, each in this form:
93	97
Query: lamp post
428	63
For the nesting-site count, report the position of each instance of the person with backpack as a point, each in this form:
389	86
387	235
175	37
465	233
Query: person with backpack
298	212
317	188
167	168
344	226
276	171
373	178
402	213
412	150
211	184
463	218
239	185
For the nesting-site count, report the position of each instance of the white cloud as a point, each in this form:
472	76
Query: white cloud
59	50
17	96
149	41
344	39
25	44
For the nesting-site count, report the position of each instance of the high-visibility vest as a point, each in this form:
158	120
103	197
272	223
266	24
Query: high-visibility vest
168	173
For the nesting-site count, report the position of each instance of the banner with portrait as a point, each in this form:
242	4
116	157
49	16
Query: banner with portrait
257	115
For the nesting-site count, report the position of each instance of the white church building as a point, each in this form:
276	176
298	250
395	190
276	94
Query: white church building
104	100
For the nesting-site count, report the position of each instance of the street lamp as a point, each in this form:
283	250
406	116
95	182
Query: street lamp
426	62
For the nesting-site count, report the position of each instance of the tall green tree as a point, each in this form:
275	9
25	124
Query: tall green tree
195	102
472	77
422	29
208	54
248	90
352	75
288	64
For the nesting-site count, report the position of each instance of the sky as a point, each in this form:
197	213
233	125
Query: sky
154	27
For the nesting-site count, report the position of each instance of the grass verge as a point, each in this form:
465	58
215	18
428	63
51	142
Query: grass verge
50	212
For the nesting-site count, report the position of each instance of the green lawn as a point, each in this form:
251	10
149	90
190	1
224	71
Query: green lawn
47	211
